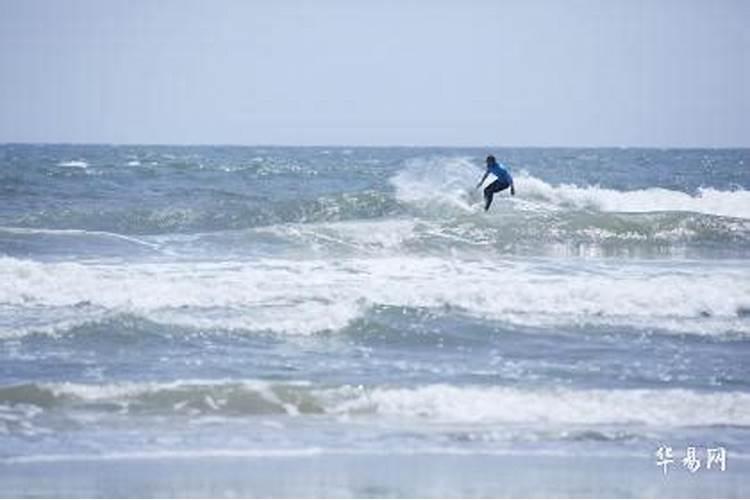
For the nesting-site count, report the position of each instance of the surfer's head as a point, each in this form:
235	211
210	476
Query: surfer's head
491	160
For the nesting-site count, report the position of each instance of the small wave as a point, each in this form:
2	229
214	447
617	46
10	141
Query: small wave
668	408
73	164
437	402
79	233
189	397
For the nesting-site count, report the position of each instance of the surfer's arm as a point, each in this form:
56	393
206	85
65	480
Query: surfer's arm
512	185
483	178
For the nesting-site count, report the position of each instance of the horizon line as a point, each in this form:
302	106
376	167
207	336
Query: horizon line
361	146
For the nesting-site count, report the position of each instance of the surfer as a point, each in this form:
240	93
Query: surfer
503	181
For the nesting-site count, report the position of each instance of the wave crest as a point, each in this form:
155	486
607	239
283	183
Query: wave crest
706	201
435	402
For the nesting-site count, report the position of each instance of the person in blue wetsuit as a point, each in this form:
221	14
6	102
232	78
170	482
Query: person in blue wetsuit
503	181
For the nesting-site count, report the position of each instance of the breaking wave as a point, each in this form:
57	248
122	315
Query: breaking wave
448	182
314	295
434	402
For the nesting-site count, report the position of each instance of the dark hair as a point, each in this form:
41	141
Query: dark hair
491	158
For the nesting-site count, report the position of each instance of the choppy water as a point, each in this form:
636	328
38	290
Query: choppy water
226	301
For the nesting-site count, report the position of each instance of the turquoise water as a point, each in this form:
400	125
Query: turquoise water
299	305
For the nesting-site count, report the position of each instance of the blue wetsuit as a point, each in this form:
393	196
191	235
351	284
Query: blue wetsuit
501	173
503	181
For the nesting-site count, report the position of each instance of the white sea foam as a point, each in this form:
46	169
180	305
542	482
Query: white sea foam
667	408
73	164
443	181
307	296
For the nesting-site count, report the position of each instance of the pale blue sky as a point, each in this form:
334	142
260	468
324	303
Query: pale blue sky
504	73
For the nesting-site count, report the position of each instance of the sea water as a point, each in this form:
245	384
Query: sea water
349	322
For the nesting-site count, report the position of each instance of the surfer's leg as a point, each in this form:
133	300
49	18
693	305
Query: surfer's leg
487	200
489	192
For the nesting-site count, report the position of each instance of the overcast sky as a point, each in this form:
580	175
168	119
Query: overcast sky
379	72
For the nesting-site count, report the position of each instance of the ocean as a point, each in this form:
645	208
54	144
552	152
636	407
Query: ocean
331	321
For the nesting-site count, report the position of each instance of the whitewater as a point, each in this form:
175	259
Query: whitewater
354	312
